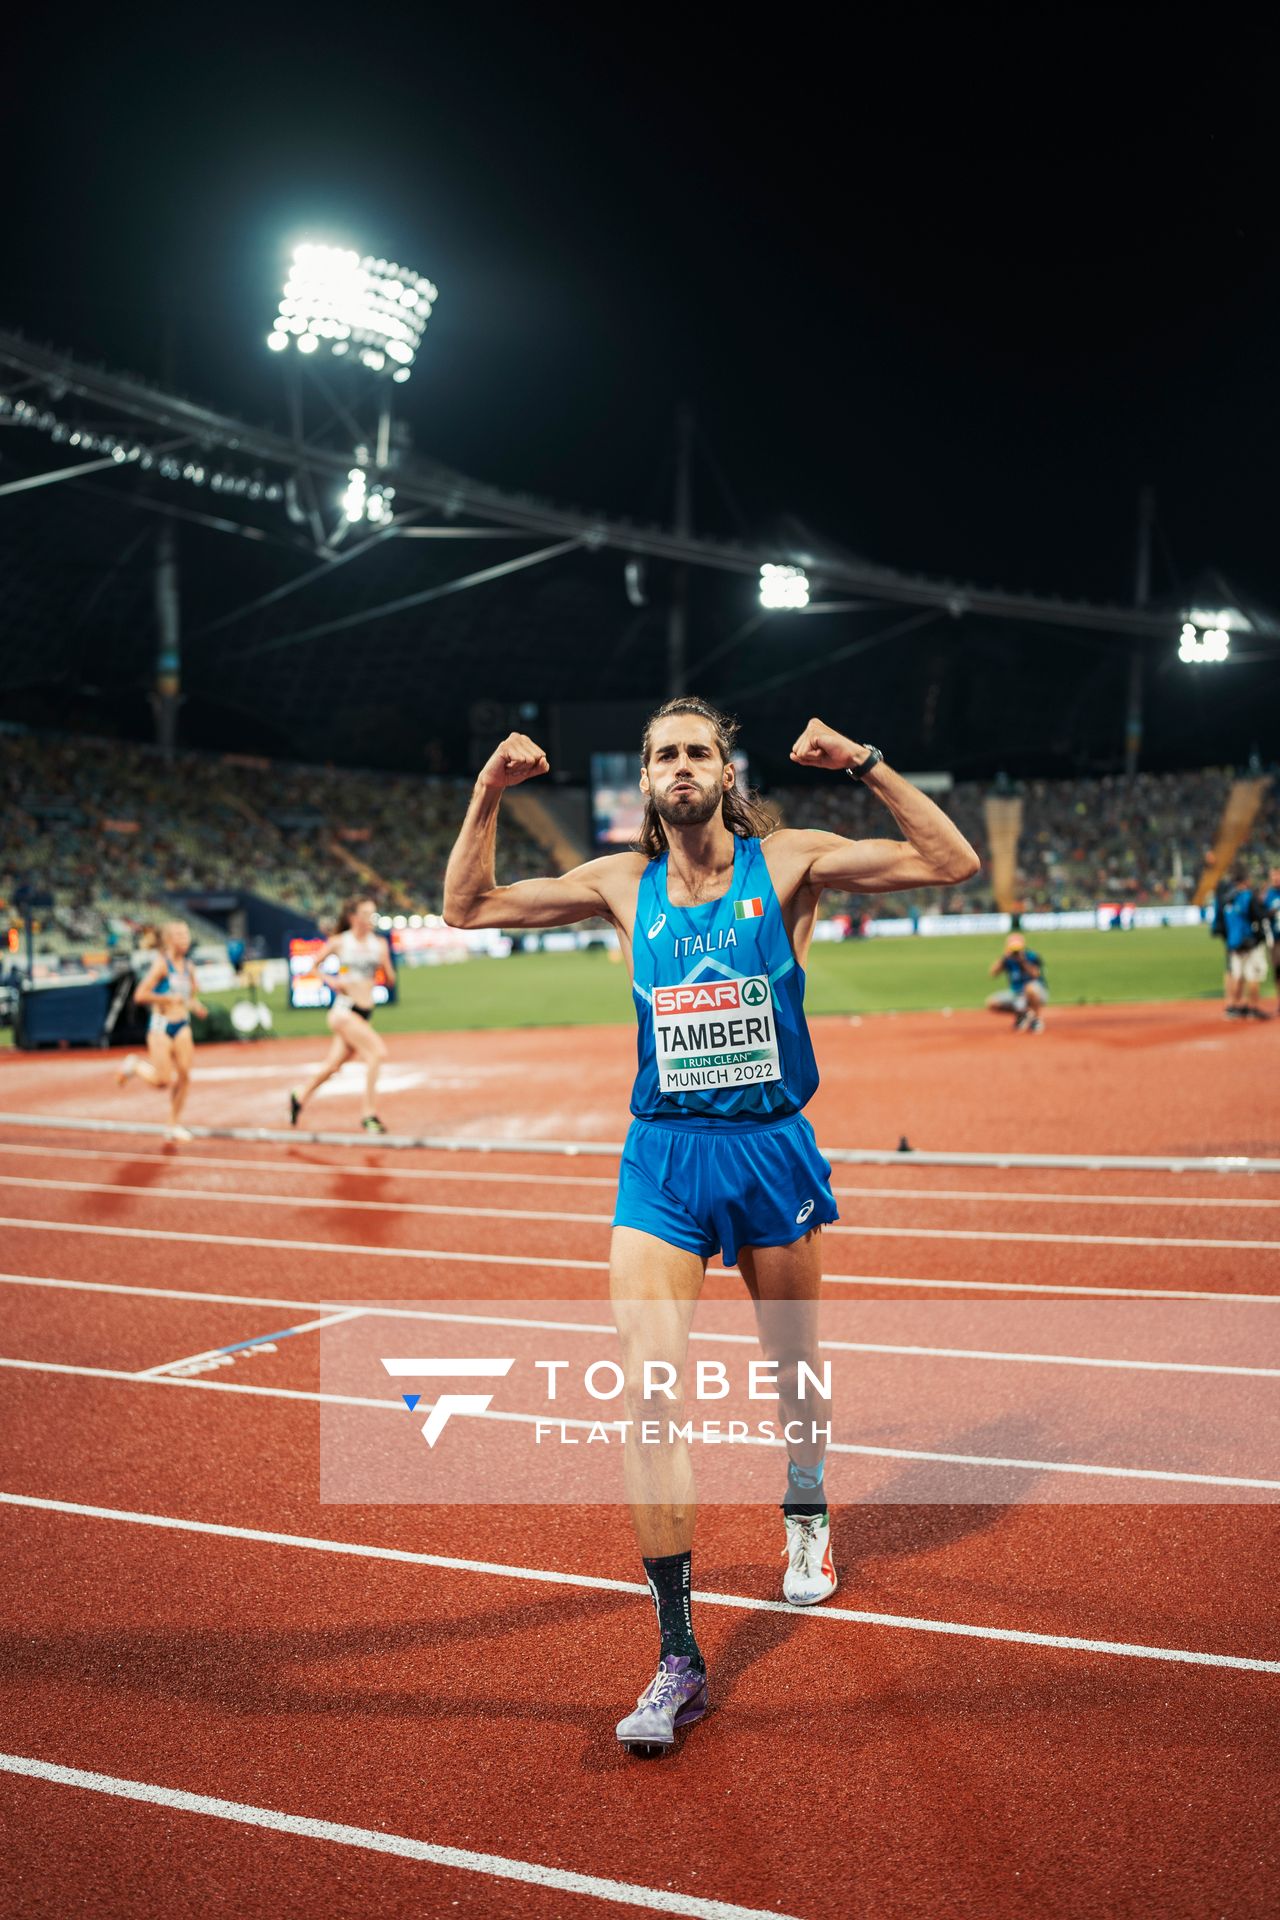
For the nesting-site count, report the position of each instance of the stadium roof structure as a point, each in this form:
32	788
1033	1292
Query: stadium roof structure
364	643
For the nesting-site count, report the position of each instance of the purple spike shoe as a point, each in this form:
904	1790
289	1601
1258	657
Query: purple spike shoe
675	1696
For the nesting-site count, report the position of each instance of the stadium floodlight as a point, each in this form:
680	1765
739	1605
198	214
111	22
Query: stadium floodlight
356	495
1198	648
373	308
360	501
783	589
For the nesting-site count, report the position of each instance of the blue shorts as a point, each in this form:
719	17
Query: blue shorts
720	1188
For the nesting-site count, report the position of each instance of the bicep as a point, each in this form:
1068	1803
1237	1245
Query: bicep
554	902
869	866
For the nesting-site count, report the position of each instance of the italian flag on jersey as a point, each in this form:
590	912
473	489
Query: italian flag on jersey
748	910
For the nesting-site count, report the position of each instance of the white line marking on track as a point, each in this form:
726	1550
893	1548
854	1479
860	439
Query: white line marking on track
1040	1286
1005	1196
847	1156
594	1327
313	1202
339	1247
1046	1359
286	1333
835	1279
1051	1239
1081	1469
335	1169
491	1176
213	1195
1013	1635
495	1866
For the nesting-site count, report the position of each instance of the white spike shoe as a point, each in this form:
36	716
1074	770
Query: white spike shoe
810	1575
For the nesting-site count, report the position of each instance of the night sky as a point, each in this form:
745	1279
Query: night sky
947	290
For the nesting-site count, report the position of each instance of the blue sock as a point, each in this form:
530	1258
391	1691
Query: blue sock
805	1492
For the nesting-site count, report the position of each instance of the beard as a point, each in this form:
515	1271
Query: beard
689	809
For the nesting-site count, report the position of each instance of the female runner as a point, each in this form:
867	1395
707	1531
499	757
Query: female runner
169	989
361	952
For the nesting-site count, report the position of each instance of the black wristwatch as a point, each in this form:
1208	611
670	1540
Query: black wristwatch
873	759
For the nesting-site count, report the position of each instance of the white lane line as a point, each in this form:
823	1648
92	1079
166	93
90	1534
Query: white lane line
1046	1359
489	1176
259	1340
604	1219
626	1893
314	1203
1052	1239
1005	1196
845	1156
1040	1286
340	1248
834	1279
602	1327
1015	1636
509	1417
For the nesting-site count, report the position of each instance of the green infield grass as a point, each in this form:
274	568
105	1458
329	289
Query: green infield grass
855	976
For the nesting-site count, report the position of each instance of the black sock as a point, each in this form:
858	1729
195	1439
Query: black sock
670	1578
805	1494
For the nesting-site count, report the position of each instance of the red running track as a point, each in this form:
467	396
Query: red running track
851	1767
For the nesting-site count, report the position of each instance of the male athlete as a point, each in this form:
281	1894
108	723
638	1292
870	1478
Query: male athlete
719	1156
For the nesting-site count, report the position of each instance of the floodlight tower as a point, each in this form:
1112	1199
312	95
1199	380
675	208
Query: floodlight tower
371	314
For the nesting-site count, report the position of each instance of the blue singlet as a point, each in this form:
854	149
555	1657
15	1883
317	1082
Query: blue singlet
720	1002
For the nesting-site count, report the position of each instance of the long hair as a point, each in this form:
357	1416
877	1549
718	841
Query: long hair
744	813
348	913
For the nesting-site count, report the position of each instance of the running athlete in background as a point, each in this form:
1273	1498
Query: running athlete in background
719	1156
1027	990
169	988
360	952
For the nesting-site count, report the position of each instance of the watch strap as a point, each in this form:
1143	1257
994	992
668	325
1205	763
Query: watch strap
873	759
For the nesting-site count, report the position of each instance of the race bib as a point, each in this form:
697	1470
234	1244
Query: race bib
715	1033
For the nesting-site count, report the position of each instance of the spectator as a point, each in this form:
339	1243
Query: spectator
1240	920
1026	990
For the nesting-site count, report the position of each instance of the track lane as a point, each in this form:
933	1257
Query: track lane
134	1863
1113	1573
864	1213
1064	1259
953	1402
1168	1830
461	1179
190	1658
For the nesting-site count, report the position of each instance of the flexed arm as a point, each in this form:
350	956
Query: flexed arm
472	896
934	852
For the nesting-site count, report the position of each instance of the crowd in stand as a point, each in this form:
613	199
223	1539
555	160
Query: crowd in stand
1144	841
113	830
844	806
1082	842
